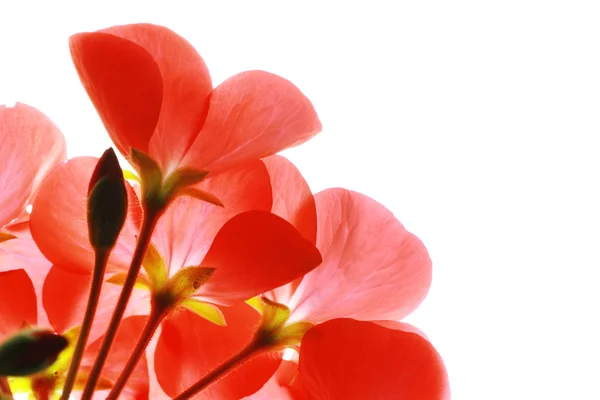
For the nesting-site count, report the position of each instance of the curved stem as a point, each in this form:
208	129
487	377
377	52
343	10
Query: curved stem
151	216
5	388
221	371
101	258
154	319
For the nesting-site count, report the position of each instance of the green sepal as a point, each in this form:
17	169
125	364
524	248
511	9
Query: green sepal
207	311
130	176
274	315
202	195
155	267
30	351
181	179
4	236
150	177
187	281
141	282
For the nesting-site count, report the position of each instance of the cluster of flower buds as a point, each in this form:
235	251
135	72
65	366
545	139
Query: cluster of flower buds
206	269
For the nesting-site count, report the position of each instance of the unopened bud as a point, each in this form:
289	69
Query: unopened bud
30	351
107	202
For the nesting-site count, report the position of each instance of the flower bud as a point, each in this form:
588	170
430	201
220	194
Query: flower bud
30	351
107	202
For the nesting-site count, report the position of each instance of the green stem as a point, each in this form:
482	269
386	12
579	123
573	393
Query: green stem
5	388
101	258
221	371
154	319
151	216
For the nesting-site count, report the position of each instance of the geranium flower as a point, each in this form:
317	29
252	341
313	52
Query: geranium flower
18	308
251	249
154	93
373	269
349	359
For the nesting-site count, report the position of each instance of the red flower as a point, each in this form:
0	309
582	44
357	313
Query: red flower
18	308
153	92
251	250
349	359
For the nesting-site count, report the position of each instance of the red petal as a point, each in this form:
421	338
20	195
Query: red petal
373	268
189	347
292	198
30	144
294	202
277	387
17	302
137	387
252	115
186	87
255	252
186	231
23	253
59	219
66	294
123	82
348	359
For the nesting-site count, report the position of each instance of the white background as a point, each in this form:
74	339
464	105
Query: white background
475	122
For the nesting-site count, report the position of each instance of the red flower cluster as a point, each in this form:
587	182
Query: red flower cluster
224	261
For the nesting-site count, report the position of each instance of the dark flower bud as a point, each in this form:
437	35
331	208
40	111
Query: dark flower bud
107	202
30	351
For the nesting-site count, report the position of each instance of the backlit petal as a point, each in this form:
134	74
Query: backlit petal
252	115
254	252
137	387
348	359
17	302
186	87
66	294
373	268
30	144
59	219
187	229
124	83
189	347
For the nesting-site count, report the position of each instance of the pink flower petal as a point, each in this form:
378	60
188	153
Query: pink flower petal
59	219
30	144
124	83
65	297
17	302
186	89
255	252
187	229
373	268
252	115
23	253
189	347
348	359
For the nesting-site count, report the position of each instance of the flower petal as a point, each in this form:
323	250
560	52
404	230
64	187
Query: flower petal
294	202
252	115
189	347
373	268
66	294
188	227
186	89
30	144
124	83
348	359
277	387
137	387
18	303
59	219
254	252
23	253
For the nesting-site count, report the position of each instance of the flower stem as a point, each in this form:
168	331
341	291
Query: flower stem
154	319
151	216
5	388
101	258
221	371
